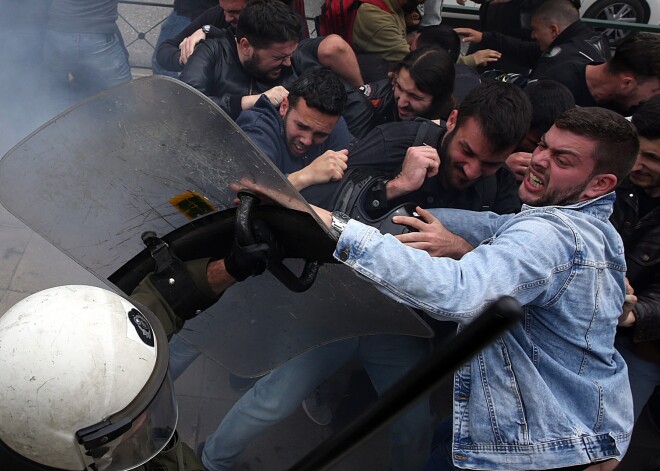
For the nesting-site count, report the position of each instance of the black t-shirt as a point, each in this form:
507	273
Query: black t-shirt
91	16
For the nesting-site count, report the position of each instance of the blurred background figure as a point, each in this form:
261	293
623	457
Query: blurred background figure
84	52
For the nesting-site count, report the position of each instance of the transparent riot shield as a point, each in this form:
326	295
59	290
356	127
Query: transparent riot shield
156	155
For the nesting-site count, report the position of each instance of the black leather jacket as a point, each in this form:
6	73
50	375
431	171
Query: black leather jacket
215	70
641	239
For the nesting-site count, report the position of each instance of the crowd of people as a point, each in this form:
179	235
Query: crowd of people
527	182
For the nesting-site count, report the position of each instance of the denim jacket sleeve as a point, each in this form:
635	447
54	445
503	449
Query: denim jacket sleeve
529	258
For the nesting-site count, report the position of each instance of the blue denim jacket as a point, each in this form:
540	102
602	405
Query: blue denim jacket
553	391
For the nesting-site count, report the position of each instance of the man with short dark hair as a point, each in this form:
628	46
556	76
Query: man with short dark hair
559	36
306	138
331	51
552	392
235	72
636	217
631	77
549	100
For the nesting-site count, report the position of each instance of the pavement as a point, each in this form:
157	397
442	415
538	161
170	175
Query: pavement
30	264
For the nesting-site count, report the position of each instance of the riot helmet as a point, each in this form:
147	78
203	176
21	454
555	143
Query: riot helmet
84	381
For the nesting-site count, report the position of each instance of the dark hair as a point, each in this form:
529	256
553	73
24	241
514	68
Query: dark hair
647	119
502	110
549	99
440	36
561	12
321	89
616	140
639	54
432	70
264	23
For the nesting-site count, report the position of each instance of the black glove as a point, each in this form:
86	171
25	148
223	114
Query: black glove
252	260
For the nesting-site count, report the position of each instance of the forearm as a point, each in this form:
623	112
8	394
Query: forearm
525	53
217	278
298	179
396	188
248	101
336	54
168	55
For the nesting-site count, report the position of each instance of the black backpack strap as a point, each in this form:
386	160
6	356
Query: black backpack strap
429	133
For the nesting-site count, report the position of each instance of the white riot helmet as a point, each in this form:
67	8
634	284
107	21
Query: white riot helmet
83	381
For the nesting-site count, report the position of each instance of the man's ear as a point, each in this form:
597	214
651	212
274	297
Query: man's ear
555	29
451	121
244	47
599	185
627	82
284	106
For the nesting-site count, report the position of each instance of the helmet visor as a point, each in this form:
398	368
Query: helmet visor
128	443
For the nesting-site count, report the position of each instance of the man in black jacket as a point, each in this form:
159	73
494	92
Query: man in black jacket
263	57
559	36
636	217
330	51
235	72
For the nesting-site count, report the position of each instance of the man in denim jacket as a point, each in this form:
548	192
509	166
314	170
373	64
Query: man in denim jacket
552	392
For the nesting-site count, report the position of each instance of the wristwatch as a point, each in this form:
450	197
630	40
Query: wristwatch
206	29
339	221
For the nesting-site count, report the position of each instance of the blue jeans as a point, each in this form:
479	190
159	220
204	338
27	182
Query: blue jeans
172	26
79	65
182	354
386	358
644	375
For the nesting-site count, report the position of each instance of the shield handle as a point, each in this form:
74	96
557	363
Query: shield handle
244	236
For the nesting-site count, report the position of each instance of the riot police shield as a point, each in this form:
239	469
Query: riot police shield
156	155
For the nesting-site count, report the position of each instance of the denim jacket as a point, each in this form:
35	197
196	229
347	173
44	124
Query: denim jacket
553	391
